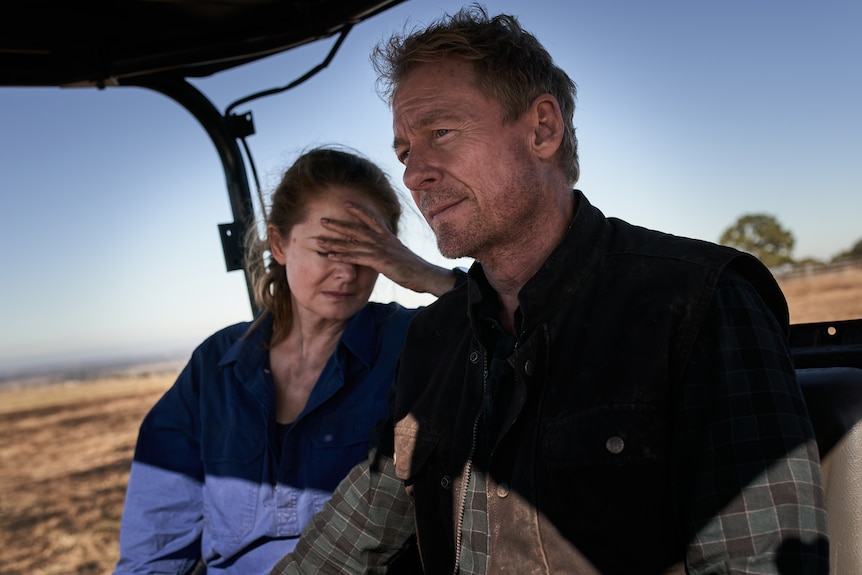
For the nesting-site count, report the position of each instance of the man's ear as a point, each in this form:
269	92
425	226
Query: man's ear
547	126
276	244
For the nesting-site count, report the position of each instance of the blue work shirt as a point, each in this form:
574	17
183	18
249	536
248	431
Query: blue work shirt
213	478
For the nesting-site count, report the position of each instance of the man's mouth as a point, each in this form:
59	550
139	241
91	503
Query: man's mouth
442	207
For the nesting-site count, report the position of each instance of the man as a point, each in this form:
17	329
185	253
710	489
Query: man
599	398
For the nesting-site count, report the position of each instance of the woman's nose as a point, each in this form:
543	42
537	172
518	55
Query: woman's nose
344	271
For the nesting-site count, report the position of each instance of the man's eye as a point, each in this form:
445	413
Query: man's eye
440	133
402	156
323	254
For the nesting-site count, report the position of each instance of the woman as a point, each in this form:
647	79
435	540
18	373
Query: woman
267	417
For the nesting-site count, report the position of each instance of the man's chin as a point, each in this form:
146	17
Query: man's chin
452	248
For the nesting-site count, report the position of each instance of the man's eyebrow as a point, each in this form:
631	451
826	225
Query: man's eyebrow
433	117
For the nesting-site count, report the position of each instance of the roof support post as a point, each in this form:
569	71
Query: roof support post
221	130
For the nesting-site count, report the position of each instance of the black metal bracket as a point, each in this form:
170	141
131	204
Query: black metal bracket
231	243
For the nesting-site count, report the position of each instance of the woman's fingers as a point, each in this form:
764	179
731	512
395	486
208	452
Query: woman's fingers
362	213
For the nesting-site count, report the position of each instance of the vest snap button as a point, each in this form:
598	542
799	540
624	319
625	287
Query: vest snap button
502	490
615	444
474	357
445	482
528	367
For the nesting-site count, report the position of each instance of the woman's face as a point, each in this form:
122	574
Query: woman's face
322	289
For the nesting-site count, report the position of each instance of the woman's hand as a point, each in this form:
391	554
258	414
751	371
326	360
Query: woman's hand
369	243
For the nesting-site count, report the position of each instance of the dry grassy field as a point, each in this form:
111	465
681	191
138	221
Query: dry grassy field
66	451
833	296
64	463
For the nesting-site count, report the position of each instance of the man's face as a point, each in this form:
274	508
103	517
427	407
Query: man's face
471	175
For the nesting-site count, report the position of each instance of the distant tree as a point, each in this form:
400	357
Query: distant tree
763	237
853	253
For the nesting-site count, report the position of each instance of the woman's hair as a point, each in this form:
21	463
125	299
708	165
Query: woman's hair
307	179
510	64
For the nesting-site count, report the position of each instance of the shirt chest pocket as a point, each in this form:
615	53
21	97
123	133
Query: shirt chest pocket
335	442
230	447
232	459
344	429
607	435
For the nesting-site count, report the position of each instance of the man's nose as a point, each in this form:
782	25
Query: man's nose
420	170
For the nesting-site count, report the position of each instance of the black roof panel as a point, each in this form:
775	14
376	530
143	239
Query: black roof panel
92	43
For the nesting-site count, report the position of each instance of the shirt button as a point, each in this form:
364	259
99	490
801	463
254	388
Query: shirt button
445	482
503	490
474	357
615	444
528	367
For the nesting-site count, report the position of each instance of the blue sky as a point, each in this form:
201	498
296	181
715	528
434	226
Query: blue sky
690	114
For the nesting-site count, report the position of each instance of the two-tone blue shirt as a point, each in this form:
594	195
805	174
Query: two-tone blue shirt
214	477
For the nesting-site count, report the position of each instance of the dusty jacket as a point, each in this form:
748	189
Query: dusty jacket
585	475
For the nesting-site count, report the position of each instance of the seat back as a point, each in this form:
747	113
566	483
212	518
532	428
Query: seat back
834	398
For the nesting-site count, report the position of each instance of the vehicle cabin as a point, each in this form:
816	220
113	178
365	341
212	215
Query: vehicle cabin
160	45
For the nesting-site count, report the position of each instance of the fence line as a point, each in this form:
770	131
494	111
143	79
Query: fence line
815	268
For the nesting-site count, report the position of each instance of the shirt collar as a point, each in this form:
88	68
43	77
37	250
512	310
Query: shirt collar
359	336
571	262
250	352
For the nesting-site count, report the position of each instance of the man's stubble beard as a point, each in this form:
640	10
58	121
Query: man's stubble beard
483	235
451	243
492	233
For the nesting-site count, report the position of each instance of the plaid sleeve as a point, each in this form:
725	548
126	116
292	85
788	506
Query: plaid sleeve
753	491
360	530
